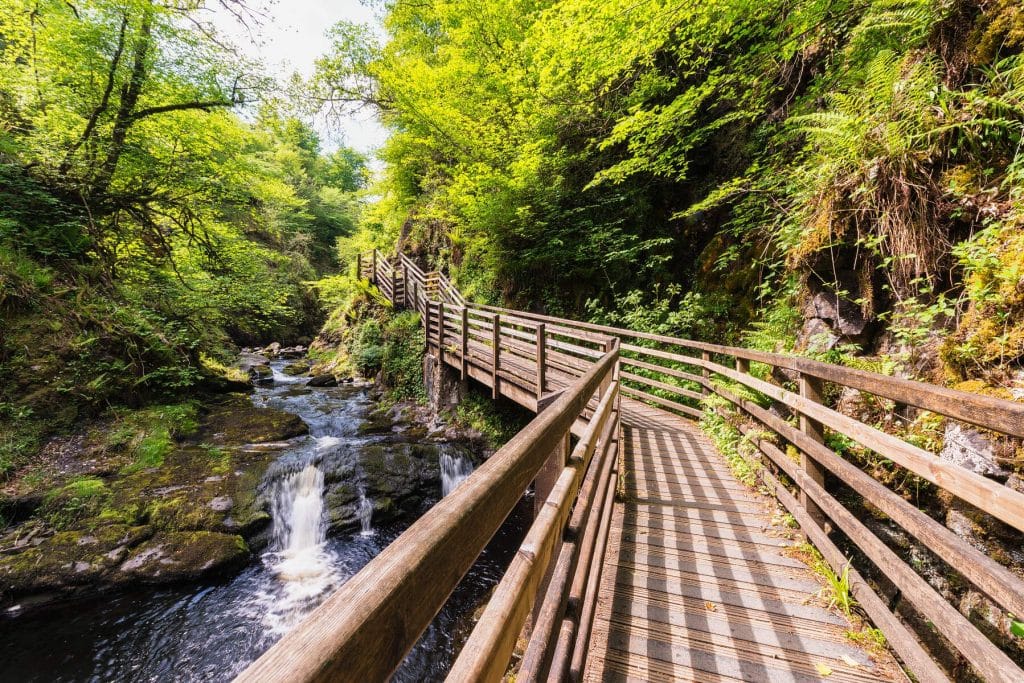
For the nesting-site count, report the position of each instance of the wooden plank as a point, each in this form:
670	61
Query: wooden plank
686	410
999	501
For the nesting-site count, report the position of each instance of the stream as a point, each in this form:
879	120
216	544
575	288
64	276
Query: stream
212	631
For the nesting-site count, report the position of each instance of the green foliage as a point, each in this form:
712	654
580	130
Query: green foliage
739	452
690	168
390	346
485	416
145	228
148	435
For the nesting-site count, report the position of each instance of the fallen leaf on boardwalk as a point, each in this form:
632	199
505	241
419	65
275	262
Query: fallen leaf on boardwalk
823	669
850	660
710	606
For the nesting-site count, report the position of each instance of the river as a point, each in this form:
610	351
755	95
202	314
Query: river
212	631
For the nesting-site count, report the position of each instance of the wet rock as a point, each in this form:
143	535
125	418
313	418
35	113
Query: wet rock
378	422
68	559
261	374
292	352
184	555
325	380
271	350
296	369
971	450
237	421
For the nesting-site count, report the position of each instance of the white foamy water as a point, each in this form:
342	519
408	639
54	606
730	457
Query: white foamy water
454	470
282	378
298	556
365	513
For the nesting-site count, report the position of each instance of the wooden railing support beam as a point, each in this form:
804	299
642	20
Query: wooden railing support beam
440	331
811	389
495	353
705	356
542	360
465	340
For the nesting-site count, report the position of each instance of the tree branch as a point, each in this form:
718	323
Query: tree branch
181	106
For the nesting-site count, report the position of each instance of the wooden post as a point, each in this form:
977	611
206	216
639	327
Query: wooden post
704	372
405	285
465	339
607	381
373	272
541	359
495	353
359	266
810	388
394	286
549	473
743	365
440	331
426	324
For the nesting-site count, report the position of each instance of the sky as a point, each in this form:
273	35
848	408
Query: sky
291	35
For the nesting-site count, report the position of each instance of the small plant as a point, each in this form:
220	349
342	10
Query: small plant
80	498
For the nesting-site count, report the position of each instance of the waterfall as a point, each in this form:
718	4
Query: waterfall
454	470
365	513
298	554
299	530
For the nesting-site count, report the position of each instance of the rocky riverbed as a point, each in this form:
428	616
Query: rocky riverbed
102	512
189	565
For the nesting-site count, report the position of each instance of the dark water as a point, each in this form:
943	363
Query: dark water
212	631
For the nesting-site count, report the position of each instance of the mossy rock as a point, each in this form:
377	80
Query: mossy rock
69	559
296	369
377	422
184	556
237	421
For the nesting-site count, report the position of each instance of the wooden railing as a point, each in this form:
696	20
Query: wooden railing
799	486
364	630
531	358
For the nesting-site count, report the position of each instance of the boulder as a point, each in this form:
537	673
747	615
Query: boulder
271	350
972	450
844	315
261	374
325	380
296	369
292	352
184	555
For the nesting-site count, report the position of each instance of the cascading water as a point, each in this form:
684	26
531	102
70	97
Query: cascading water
454	470
365	513
298	555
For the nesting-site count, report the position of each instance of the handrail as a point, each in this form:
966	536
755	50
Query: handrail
997	414
365	628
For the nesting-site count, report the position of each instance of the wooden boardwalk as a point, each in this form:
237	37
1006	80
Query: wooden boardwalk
647	560
697	583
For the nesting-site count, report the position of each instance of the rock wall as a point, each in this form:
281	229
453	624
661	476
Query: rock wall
444	386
